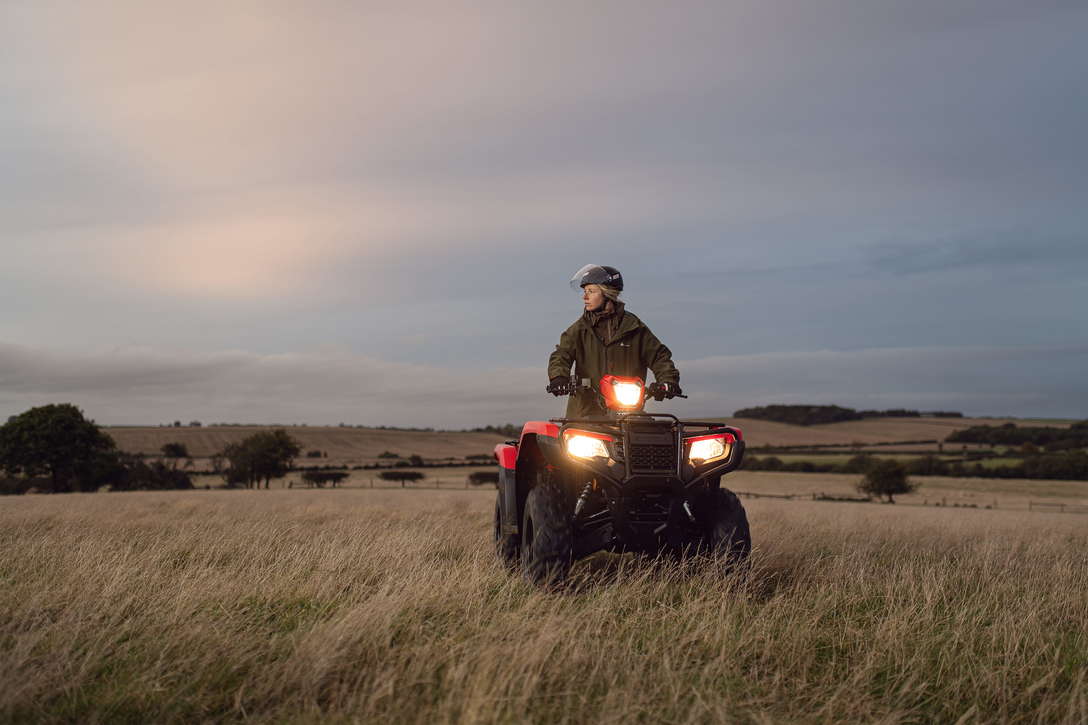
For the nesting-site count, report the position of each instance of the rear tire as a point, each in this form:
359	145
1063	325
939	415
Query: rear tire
547	535
728	535
506	545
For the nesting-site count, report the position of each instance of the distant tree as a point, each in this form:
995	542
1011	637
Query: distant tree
175	451
260	457
320	478
177	423
313	454
56	441
401	476
886	477
415	460
388	454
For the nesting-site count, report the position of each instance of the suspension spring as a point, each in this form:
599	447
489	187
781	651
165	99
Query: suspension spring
588	489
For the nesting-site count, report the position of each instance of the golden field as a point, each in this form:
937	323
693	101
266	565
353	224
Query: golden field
343	445
346	446
361	605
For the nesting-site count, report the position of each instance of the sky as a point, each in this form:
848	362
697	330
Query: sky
368	213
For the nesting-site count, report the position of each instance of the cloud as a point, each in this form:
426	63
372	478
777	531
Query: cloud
1019	249
135	385
146	386
416	182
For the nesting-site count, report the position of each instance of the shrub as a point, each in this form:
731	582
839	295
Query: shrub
320	478
927	465
401	476
479	478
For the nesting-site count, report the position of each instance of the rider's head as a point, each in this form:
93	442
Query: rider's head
596	296
598	284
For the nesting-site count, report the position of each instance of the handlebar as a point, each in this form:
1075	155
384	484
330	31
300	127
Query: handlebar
569	389
652	390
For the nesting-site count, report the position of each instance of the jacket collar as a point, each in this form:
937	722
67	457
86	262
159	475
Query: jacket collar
626	322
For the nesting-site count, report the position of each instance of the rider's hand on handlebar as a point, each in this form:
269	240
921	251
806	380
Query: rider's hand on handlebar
559	385
660	391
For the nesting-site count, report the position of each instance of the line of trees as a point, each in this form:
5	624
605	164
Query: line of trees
1065	465
821	414
1050	438
55	449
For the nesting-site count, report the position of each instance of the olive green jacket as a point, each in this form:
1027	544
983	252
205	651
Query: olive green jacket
632	349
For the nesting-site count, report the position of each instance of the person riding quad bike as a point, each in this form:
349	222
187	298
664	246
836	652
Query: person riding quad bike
612	476
607	340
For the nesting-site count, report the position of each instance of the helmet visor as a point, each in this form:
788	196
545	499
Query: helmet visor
592	274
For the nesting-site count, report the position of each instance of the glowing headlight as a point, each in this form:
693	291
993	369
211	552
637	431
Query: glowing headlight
628	394
584	446
709	449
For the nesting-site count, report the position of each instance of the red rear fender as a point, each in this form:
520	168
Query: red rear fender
506	455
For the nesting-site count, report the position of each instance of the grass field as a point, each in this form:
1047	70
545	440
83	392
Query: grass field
1012	494
388	606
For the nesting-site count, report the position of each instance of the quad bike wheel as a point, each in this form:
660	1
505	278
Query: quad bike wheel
506	545
728	535
547	535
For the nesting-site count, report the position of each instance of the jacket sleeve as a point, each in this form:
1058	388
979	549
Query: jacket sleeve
563	357
659	359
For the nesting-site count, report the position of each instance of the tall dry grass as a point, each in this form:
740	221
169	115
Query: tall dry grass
388	606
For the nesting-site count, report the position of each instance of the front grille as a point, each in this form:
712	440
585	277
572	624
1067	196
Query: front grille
648	510
648	458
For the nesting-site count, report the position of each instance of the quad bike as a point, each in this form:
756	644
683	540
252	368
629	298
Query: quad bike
630	481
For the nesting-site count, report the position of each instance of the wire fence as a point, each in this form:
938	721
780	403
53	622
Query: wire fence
465	484
1035	506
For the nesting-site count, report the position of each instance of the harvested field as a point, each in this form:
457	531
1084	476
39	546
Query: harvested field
388	606
363	445
867	431
344	445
